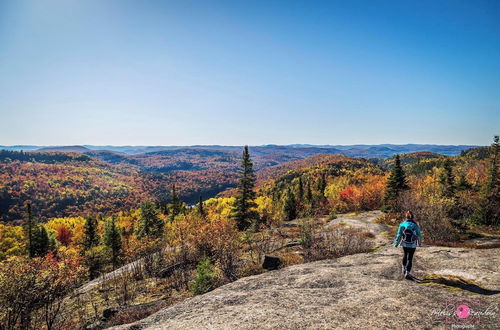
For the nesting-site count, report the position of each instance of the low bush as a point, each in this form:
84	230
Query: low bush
204	279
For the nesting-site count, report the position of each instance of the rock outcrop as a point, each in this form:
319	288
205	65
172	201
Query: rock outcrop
362	291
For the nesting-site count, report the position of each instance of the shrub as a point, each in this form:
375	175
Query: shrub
32	291
306	234
336	243
204	279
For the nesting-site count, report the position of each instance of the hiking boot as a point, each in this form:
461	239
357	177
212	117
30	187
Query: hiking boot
408	276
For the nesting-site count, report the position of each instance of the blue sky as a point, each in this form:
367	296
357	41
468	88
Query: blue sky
249	72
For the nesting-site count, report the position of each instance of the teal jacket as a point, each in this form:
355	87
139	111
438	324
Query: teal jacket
410	225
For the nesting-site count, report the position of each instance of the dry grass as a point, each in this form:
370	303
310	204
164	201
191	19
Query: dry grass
336	243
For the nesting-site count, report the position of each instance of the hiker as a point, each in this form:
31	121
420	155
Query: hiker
409	237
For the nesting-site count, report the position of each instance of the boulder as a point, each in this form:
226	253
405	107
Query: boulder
271	263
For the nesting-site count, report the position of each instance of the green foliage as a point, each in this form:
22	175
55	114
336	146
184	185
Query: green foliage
289	205
150	224
201	211
447	180
176	208
204	279
112	240
306	234
90	234
40	243
395	184
309	195
300	190
322	185
488	208
244	207
94	260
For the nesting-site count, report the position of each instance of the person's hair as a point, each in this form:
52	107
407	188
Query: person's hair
409	215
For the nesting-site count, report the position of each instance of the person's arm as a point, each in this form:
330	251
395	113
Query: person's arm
419	235
398	236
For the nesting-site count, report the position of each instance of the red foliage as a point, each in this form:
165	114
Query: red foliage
64	236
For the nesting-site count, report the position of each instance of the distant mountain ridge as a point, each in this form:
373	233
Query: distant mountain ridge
294	151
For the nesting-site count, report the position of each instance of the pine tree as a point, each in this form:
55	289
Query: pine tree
447	180
243	210
201	211
488	210
112	240
322	185
462	183
289	206
150	223
176	207
91	236
29	228
395	184
309	195
40	242
300	190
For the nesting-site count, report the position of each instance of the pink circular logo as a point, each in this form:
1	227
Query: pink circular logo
463	311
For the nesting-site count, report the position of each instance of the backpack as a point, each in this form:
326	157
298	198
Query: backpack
409	236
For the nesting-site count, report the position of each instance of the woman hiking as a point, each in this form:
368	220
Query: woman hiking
409	237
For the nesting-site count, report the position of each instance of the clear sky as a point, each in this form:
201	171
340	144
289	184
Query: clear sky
249	72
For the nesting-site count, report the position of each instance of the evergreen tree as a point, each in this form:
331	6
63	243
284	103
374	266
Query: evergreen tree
40	242
90	235
150	223
395	184
462	183
29	228
243	210
322	185
201	211
300	190
447	179
488	210
309	195
289	206
112	240
176	207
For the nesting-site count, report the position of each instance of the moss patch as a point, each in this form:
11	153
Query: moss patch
456	283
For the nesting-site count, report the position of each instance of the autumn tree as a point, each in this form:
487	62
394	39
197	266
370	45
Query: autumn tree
33	291
64	235
488	209
244	207
150	225
112	240
395	184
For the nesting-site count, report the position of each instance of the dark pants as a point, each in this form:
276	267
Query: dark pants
408	257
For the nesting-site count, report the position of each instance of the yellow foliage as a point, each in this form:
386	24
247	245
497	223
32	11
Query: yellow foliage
12	241
216	208
75	225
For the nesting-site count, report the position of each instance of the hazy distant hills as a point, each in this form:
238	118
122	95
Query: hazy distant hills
287	152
